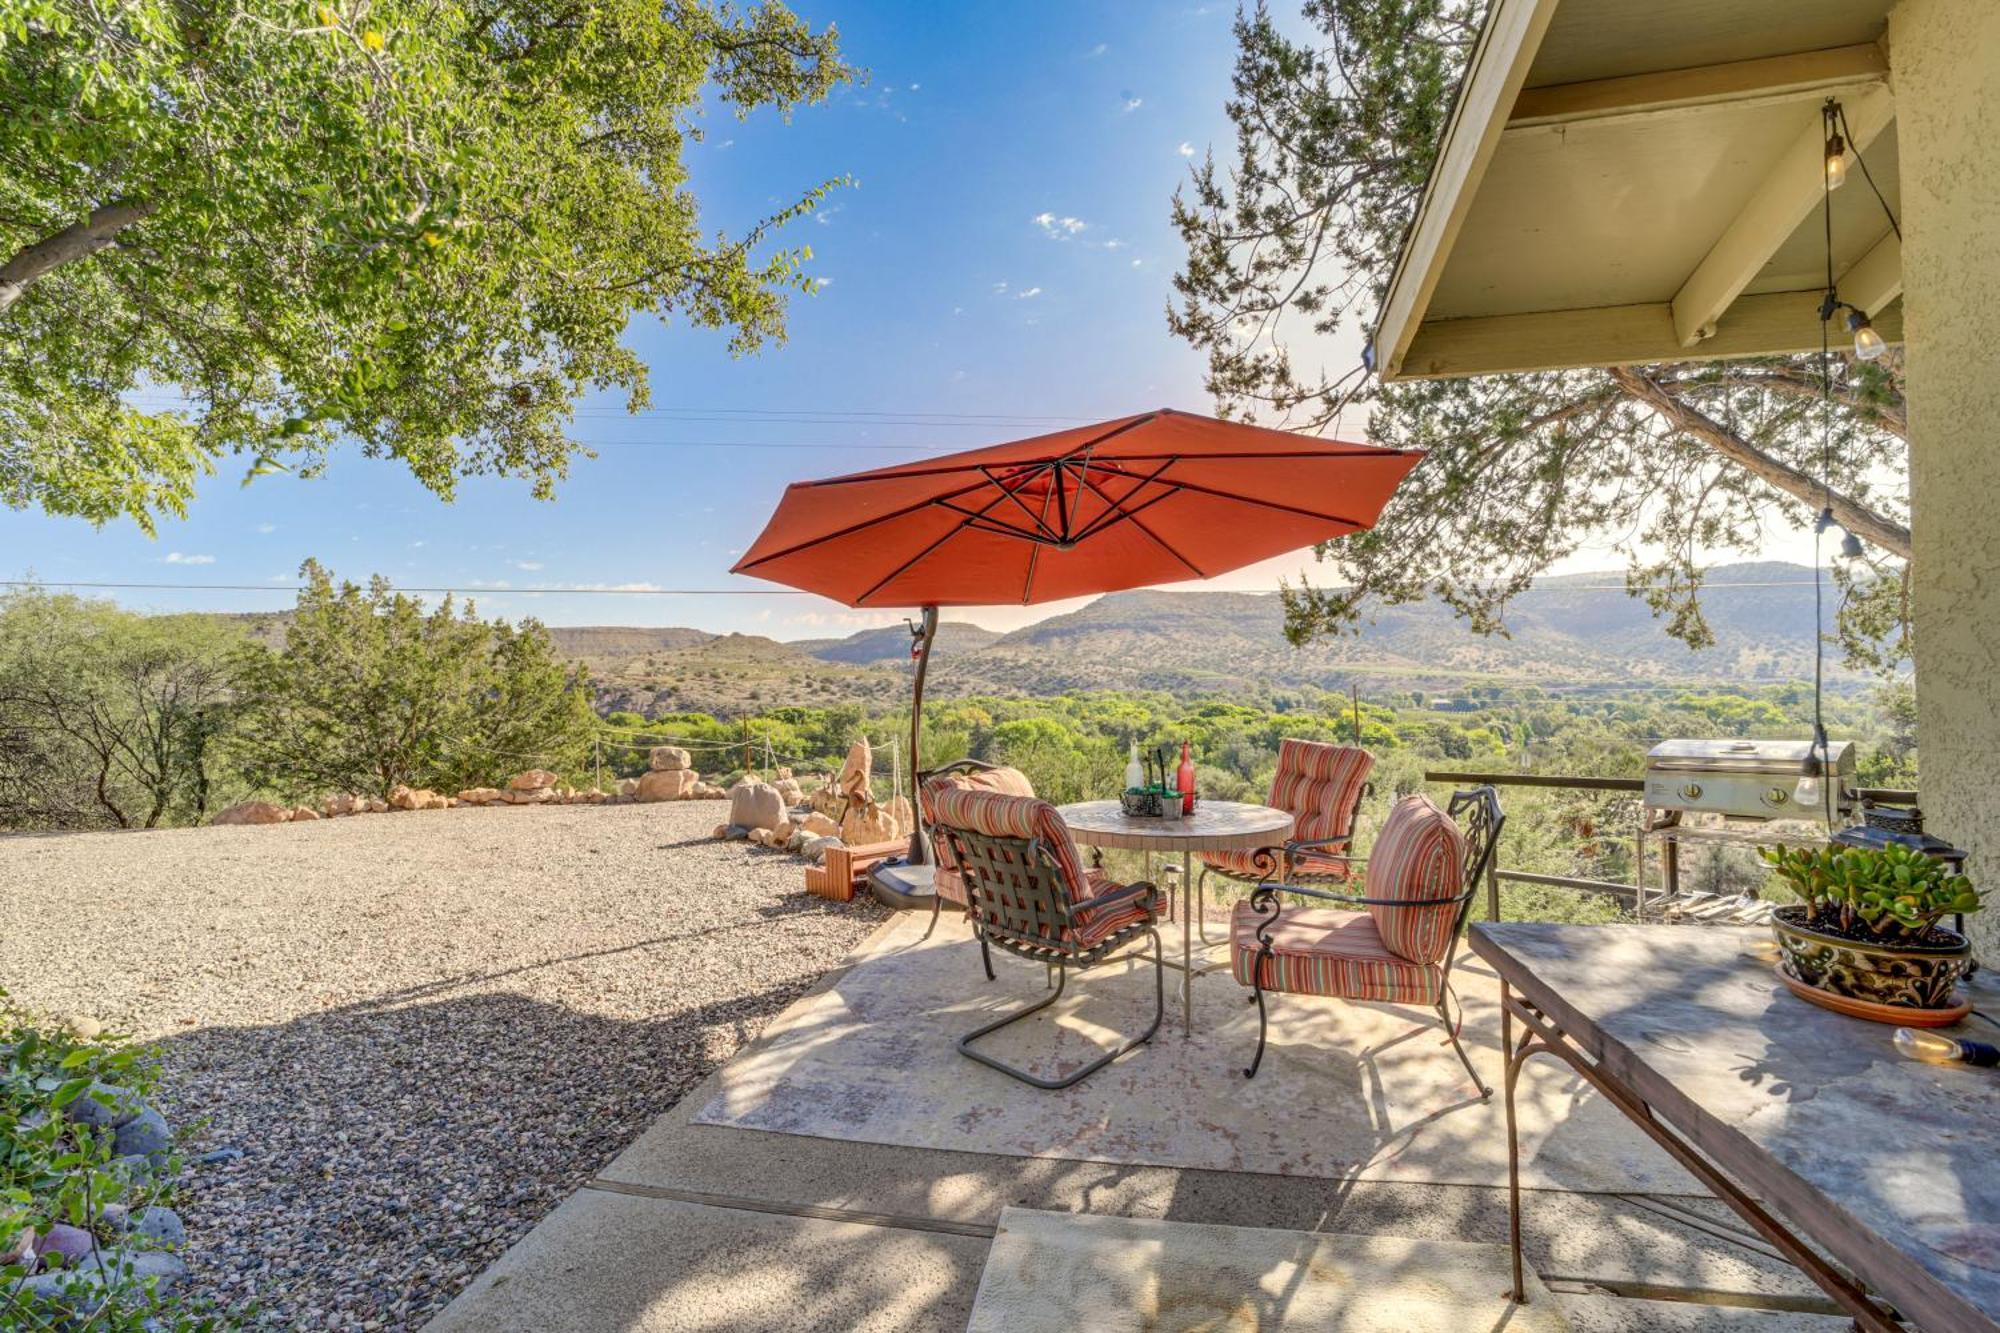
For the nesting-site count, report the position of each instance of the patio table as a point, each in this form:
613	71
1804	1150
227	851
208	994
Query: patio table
1215	826
1871	1172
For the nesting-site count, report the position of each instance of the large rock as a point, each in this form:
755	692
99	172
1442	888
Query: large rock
302	813
530	796
855	780
668	758
790	791
72	1243
144	1135
867	823
161	1225
820	826
104	1106
628	786
479	796
667	784
254	812
899	811
756	805
535	779
815	849
415	798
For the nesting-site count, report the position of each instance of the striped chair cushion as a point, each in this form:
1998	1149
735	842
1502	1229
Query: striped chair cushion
1320	784
1420	854
1320	951
1011	781
1116	908
1001	816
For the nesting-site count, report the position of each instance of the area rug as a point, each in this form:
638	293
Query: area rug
1056	1272
1346	1091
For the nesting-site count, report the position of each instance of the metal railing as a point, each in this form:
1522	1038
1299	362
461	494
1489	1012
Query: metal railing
1627	893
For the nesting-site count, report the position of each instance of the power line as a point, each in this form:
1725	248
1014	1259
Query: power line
294	588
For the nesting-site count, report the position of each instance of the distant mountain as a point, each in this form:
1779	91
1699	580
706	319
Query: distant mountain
1577	629
624	640
891	643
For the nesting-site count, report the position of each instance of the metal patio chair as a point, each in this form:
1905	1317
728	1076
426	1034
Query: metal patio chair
946	884
1321	785
1399	947
1028	894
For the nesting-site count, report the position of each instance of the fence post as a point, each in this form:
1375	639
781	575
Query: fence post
597	758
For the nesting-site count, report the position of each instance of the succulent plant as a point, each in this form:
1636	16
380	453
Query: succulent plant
1892	893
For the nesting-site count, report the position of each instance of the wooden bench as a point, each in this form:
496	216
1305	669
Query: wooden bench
847	867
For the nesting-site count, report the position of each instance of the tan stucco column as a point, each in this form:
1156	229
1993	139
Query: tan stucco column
1944	58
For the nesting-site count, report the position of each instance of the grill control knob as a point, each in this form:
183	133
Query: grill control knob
1776	796
1690	791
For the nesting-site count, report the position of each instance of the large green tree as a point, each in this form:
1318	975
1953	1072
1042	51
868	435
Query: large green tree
1290	246
254	227
107	717
371	689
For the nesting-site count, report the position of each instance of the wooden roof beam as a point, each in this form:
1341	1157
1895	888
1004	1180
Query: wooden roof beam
1789	193
1772	79
1874	280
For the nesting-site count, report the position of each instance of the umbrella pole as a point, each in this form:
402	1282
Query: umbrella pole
926	631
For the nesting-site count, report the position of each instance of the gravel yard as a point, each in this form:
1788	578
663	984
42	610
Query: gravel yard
421	1030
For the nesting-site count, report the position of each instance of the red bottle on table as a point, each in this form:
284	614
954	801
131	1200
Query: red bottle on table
1184	779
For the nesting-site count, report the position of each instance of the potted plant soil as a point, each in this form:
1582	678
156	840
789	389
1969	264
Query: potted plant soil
1864	938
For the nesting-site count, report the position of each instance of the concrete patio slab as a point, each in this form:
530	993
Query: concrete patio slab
606	1261
804	1198
1056	1272
1347	1091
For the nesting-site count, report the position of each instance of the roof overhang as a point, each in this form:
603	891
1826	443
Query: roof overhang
1623	183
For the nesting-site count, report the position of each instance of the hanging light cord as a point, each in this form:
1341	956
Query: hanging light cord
1862	162
1826	313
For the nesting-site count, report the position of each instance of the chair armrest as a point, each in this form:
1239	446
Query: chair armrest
1113	897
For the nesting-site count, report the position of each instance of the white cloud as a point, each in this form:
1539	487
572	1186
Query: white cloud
916	87
266	529
1138	263
1132	102
1186	149
999	286
177	558
529	565
417	545
1059	229
1114	244
1096	51
822	282
1027	295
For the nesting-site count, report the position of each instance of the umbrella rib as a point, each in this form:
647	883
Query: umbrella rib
1132	516
1344	451
1035	552
1013	495
901	569
1269	504
856	527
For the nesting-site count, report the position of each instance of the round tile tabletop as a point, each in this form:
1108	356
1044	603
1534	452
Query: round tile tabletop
1215	826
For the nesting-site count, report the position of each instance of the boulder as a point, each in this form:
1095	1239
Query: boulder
530	796
303	812
867	823
782	773
161	1225
104	1106
760	836
435	800
628	786
790	791
479	796
782	833
854	781
254	812
815	849
144	1135
535	779
708	791
377	806
343	804
899	811
666	784
721	832
414	798
668	759
72	1243
819	825
756	805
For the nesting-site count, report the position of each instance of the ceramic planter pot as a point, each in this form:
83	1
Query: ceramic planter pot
1891	974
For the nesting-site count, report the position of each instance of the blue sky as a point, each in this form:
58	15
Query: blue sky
1000	267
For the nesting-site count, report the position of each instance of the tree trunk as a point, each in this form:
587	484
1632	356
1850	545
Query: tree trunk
77	241
1856	517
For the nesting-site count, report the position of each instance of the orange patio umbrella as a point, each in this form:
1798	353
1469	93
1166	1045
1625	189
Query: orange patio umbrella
1155	498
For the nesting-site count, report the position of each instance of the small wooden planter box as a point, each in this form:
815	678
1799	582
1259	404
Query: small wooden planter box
847	867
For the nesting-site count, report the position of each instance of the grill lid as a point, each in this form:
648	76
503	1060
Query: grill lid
1782	758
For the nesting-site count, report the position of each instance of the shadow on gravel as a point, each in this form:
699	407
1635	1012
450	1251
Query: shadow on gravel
394	1147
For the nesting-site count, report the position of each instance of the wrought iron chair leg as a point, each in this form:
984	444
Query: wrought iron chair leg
1451	1035
1062	979
986	957
1263	1014
937	910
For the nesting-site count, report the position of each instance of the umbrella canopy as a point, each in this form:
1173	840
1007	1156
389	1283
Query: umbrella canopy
1153	498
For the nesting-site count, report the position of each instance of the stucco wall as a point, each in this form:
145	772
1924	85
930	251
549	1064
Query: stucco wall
1945	61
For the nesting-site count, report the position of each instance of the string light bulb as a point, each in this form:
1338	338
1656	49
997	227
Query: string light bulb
1836	162
1937	1049
1868	344
1850	547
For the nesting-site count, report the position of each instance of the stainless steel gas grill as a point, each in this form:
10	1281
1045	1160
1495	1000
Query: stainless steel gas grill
1753	779
1750	788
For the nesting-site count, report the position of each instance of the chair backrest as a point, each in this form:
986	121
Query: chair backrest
967	775
1423	856
1019	864
1320	784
